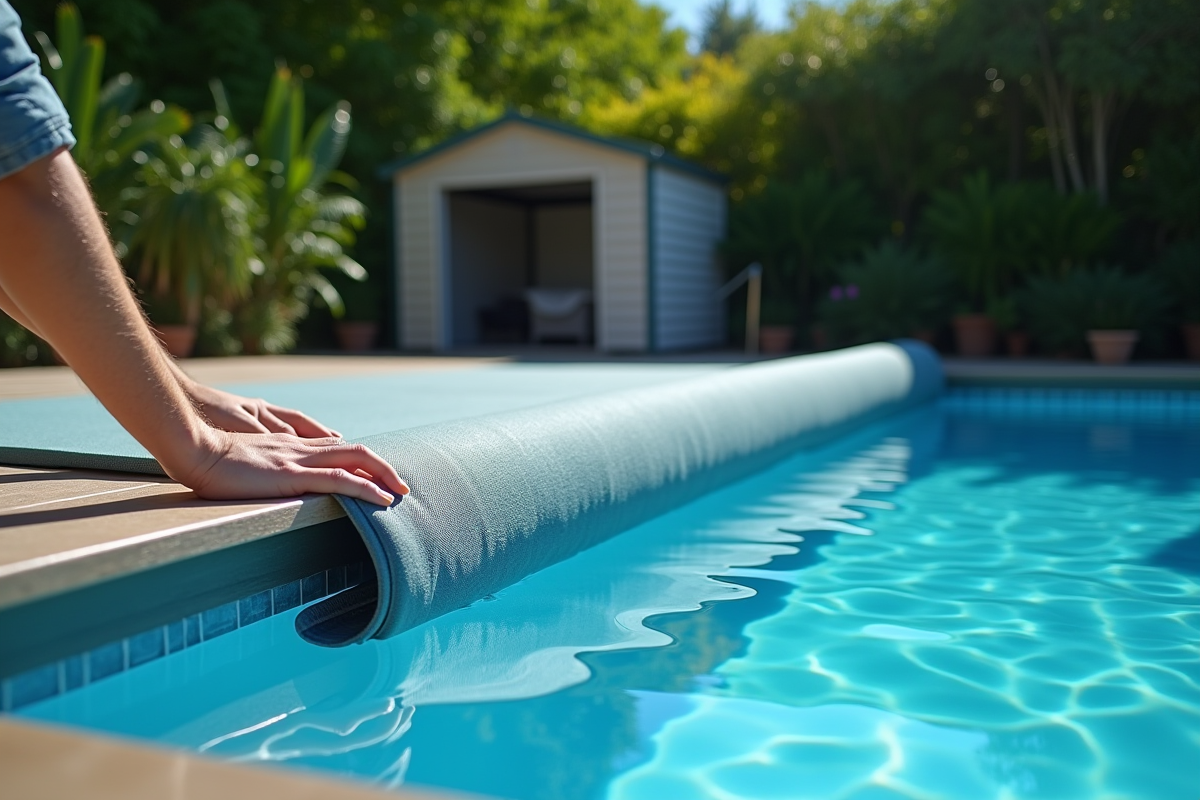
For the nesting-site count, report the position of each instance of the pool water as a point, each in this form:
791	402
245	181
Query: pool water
951	604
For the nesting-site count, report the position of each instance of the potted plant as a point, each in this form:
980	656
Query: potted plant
188	224
358	327
306	223
1179	271
1107	308
966	228
890	293
170	324
777	332
1120	306
1006	315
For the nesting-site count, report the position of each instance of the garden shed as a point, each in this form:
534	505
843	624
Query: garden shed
529	230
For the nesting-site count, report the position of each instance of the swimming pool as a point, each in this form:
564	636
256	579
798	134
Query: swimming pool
975	600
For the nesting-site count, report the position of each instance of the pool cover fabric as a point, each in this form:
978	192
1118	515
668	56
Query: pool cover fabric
500	497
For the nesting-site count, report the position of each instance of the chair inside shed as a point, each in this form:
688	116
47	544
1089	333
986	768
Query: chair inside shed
521	264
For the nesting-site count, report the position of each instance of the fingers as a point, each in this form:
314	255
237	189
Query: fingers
272	422
355	457
341	481
302	424
246	423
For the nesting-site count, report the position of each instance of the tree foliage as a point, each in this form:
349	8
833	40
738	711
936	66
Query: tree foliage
906	100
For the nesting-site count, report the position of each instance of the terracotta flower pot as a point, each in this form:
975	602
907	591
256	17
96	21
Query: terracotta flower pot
356	336
1018	344
1112	347
178	339
1191	339
975	335
820	339
776	338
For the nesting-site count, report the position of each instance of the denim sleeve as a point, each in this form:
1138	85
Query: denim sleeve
33	122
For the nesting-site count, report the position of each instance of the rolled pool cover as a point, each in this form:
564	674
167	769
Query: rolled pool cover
500	497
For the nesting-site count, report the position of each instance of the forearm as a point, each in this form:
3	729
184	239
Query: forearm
58	270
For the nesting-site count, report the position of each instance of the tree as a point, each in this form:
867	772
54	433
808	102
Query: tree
724	30
1075	54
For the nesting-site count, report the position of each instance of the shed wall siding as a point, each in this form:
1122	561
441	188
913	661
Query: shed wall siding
689	215
513	155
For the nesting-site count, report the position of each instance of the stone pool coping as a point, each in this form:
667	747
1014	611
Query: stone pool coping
46	762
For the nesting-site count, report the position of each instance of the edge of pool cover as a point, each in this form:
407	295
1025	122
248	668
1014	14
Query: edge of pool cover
500	497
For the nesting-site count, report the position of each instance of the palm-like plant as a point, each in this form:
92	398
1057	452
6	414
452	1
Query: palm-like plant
107	128
799	232
192	233
973	231
304	228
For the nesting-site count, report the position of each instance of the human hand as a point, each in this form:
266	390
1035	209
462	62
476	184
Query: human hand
237	466
236	414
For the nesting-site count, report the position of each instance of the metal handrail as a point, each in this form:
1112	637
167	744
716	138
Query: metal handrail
752	277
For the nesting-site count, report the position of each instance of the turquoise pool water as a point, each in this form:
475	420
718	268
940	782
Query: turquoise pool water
953	604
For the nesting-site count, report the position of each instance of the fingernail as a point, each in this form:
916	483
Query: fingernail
390	498
404	488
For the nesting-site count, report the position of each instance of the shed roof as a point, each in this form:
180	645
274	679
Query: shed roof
653	153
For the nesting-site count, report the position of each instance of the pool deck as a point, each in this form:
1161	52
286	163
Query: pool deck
66	534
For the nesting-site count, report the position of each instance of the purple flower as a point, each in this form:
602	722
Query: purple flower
835	293
851	291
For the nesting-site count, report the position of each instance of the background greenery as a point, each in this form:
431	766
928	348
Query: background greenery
1010	142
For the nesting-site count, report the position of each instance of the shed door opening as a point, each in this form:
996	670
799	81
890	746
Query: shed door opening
521	265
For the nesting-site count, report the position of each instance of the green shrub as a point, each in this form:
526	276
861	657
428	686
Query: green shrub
799	232
889	293
1061	310
1179	270
994	236
19	347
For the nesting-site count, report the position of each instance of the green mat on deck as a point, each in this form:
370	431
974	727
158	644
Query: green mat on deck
78	432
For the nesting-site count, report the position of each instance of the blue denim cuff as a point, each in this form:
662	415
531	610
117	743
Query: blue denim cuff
33	122
49	135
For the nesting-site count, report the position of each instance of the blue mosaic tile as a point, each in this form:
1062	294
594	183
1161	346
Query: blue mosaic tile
335	579
286	596
147	646
191	626
254	608
113	658
73	674
1155	404
106	660
219	621
34	685
176	640
313	587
